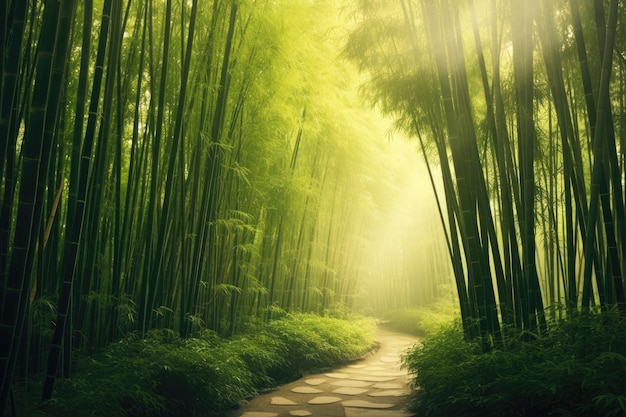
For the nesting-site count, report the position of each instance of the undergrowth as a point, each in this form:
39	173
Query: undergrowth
576	370
166	376
423	321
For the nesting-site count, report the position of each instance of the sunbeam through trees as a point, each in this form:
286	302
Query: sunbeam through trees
185	168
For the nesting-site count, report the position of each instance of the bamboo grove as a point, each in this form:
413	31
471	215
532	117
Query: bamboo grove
185	165
521	107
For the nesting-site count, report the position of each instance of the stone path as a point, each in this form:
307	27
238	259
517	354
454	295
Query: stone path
371	387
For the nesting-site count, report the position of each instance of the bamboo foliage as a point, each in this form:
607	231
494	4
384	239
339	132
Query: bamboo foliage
520	221
163	148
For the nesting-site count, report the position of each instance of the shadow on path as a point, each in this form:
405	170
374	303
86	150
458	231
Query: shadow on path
374	386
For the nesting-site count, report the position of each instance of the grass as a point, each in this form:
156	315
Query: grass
164	375
578	370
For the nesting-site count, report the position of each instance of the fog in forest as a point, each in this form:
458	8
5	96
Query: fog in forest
200	174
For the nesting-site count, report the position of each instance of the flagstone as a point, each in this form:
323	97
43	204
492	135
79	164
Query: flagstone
372	378
365	404
389	393
351	383
282	401
353	371
356	388
315	381
337	375
306	390
374	368
324	399
350	391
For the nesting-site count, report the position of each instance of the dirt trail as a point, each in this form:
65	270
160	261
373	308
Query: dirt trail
374	386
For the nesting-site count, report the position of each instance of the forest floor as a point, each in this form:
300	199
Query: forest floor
374	386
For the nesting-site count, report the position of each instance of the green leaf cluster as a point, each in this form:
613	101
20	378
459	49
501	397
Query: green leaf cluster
313	342
166	375
575	371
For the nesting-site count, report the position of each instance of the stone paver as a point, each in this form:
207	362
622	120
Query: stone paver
282	401
389	393
366	404
306	390
337	375
374	368
373	378
324	399
375	386
350	391
315	381
351	383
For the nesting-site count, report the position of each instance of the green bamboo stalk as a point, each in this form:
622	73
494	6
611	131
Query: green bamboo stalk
211	191
599	143
452	241
568	137
15	290
611	170
465	298
505	290
532	306
165	219
468	177
136	159
10	80
198	222
151	277
73	235
121	102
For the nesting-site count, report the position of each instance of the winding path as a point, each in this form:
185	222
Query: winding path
374	386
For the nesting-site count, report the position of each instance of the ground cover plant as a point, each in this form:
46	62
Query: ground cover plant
165	375
576	369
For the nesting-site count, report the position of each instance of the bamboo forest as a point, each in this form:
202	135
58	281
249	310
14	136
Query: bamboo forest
203	200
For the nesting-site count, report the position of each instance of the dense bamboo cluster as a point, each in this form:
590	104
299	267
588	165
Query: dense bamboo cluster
521	106
185	165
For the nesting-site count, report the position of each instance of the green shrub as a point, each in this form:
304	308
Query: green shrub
166	376
575	371
314	342
261	353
